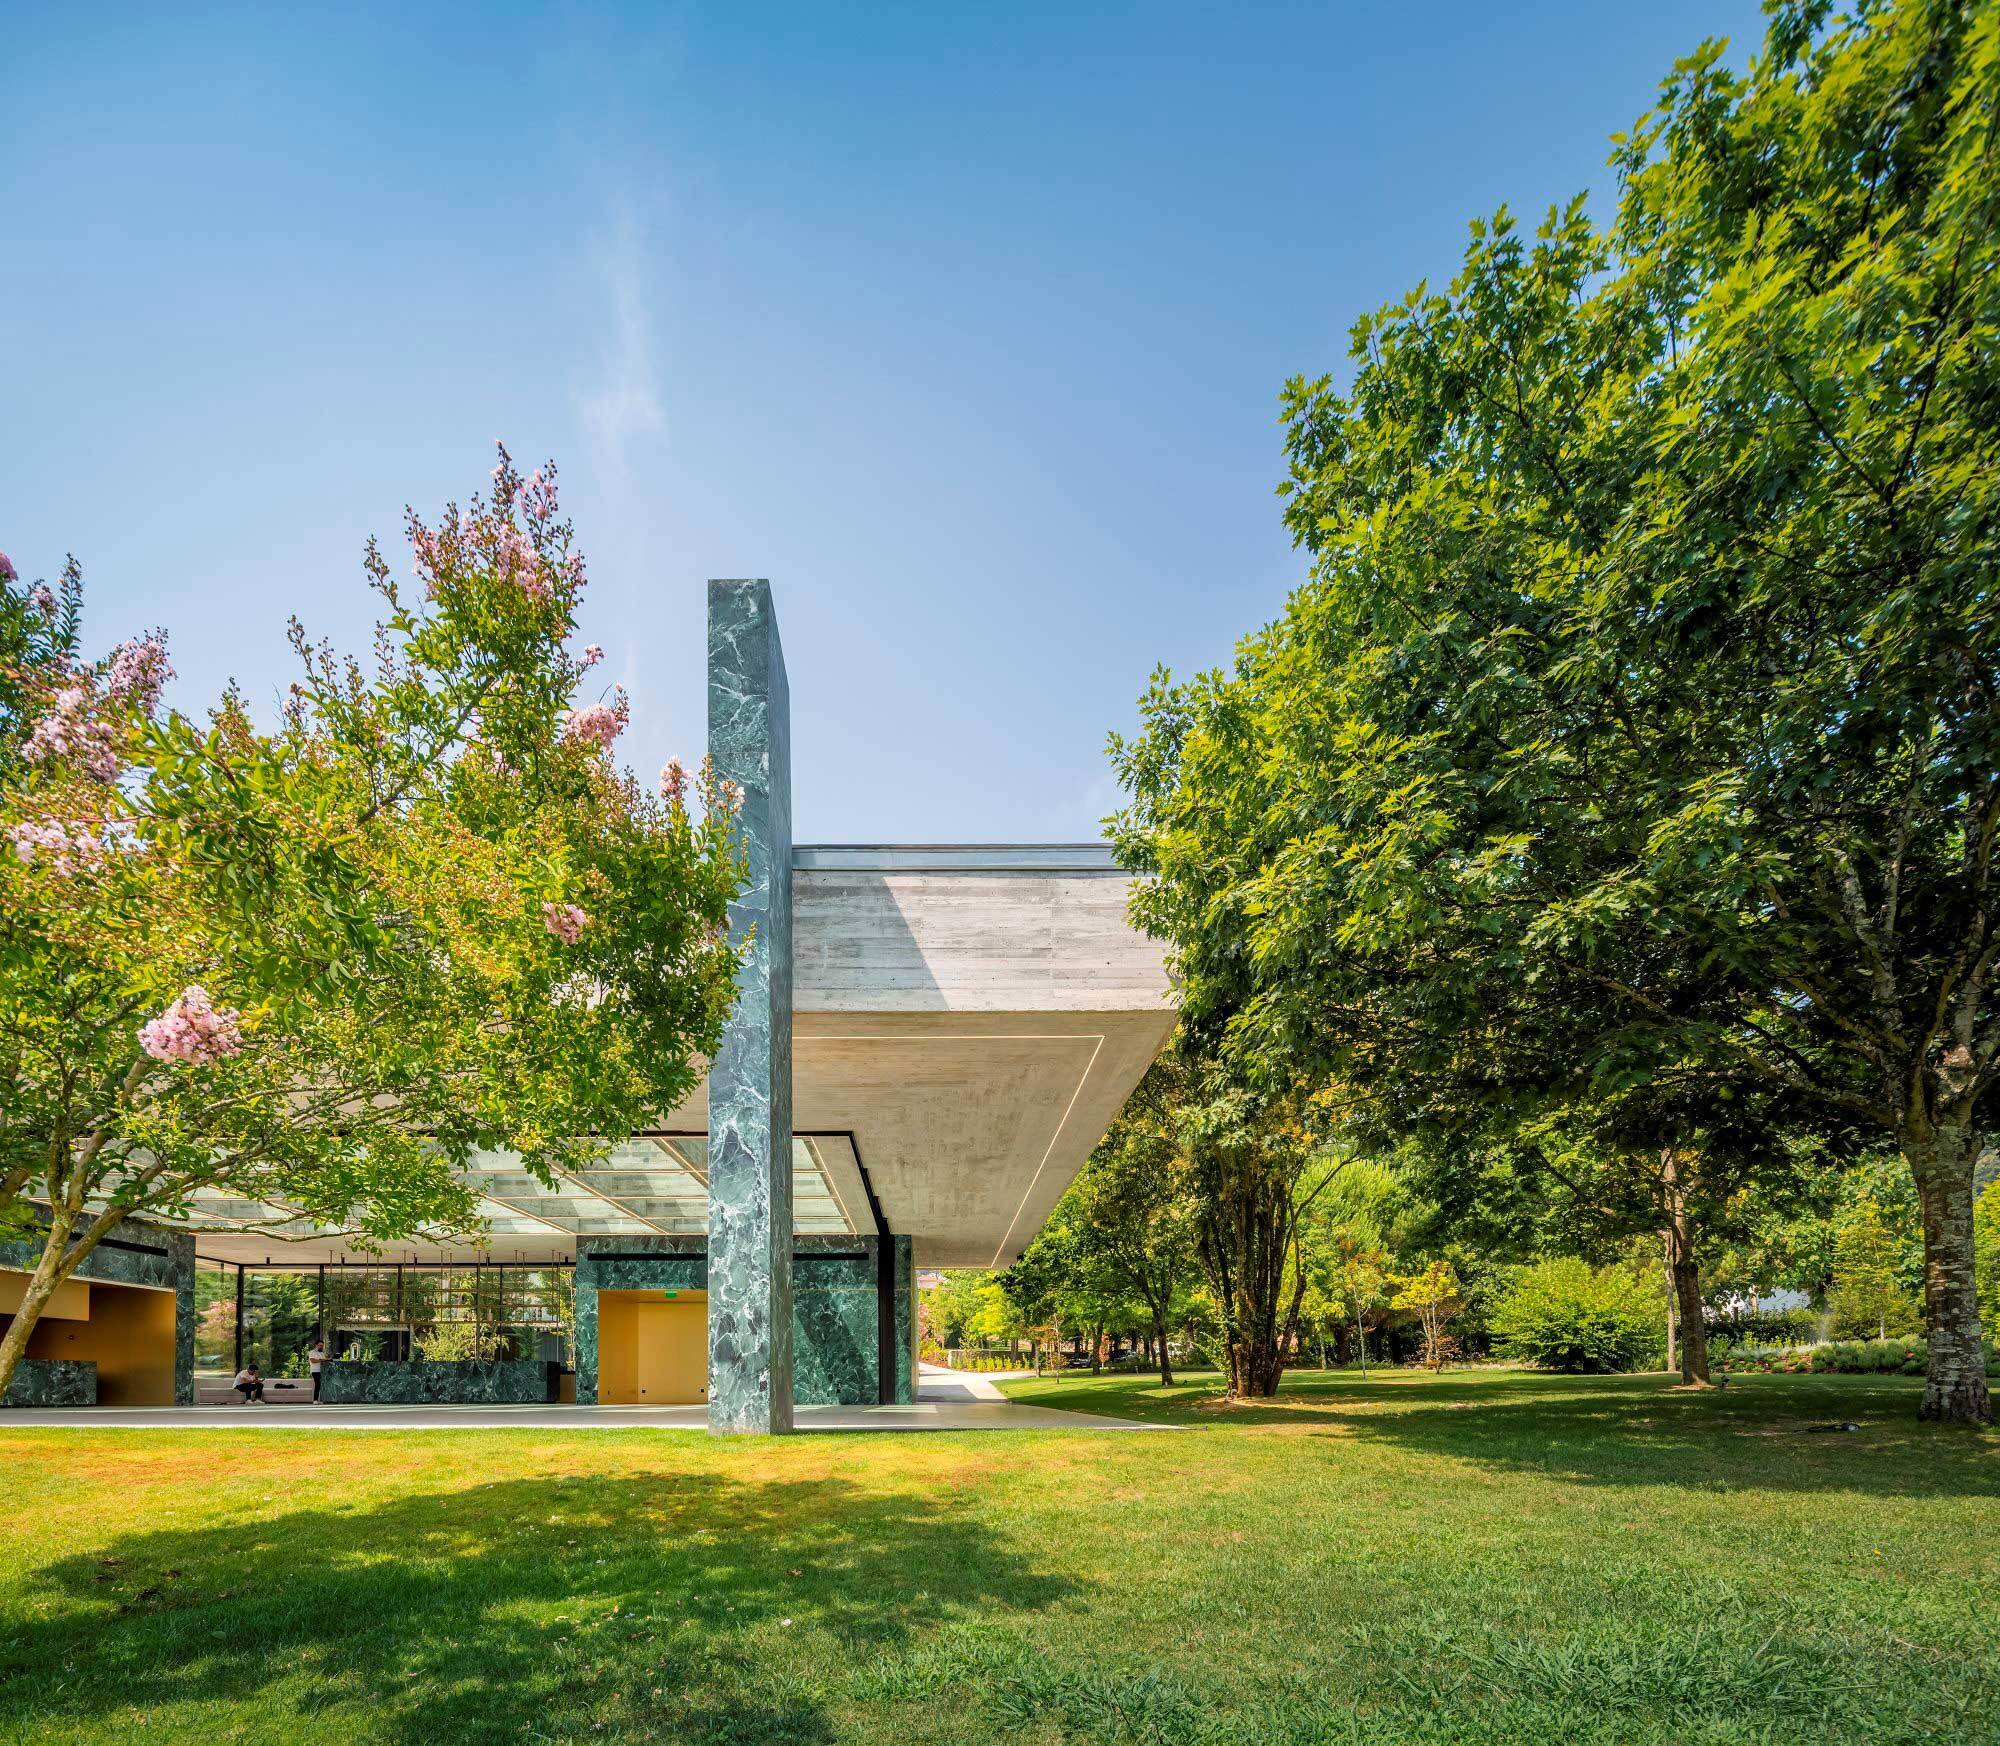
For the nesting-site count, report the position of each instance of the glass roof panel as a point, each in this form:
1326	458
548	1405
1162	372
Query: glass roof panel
656	1184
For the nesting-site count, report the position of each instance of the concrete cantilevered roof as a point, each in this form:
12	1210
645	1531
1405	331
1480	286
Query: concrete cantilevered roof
967	1021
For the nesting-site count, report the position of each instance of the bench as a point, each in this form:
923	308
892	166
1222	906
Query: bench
278	1391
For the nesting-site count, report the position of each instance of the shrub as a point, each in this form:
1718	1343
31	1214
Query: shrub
459	1343
1870	1357
1892	1357
1563	1316
1789	1327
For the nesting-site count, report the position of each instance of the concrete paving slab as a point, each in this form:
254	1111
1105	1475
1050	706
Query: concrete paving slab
946	1401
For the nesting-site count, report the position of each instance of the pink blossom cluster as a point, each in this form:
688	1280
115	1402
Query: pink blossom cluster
41	597
62	847
534	496
504	547
430	555
565	921
537	495
193	1029
674	782
517	561
7	571
139	669
70	730
598	724
592	654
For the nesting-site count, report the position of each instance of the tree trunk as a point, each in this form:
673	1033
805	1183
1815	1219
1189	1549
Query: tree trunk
1673	1306
1160	1345
1255	1365
1243	1240
1686	1272
1955	1372
1693	1326
48	1274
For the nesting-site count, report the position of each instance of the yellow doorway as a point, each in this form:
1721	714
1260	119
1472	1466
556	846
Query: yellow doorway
127	1331
652	1348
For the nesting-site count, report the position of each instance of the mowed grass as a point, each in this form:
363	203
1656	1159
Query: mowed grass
1488	1556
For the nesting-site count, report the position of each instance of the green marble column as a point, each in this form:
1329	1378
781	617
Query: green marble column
750	1080
903	1260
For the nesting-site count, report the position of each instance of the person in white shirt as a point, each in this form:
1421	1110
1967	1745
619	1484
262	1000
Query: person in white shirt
315	1357
249	1384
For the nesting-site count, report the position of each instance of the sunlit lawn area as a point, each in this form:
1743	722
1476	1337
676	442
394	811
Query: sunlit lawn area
1490	1556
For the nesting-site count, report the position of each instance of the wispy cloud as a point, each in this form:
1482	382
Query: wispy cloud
622	400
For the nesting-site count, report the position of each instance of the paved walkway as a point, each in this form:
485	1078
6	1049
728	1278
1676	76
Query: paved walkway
947	1400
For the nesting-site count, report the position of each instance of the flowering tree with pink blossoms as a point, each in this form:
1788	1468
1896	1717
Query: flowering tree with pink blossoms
316	964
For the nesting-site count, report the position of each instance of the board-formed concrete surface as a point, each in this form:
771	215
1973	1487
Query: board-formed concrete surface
966	1022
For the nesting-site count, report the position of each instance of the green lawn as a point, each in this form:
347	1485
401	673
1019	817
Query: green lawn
1491	1556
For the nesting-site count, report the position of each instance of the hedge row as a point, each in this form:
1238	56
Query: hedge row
1904	1357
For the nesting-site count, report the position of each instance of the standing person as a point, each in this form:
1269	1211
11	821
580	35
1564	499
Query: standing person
249	1384
315	1357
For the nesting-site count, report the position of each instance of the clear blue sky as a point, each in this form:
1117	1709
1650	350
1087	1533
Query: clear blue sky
964	325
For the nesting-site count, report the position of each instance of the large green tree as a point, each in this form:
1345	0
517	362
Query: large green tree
1637	726
315	966
1132	1210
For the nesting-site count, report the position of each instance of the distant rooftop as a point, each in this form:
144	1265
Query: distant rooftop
953	858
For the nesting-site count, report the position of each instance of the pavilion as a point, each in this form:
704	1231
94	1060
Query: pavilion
928	1041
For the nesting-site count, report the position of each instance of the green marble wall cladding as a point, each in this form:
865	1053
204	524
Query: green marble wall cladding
52	1382
138	1254
421	1381
835	1309
750	1331
834	1323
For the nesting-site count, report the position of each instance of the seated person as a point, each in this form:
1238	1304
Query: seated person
249	1384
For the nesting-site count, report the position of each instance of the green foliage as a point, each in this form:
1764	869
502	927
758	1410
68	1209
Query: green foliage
1563	1315
1904	1357
1129	1218
955	1311
316	966
1349	1236
1986	1255
1867	1297
1433	1296
1786	1327
1870	1357
460	1342
1627	758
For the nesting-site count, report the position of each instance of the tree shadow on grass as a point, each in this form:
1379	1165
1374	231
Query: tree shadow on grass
1614	1430
1776	1433
690	1608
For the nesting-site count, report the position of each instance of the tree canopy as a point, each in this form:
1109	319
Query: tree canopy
1631	748
314	965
